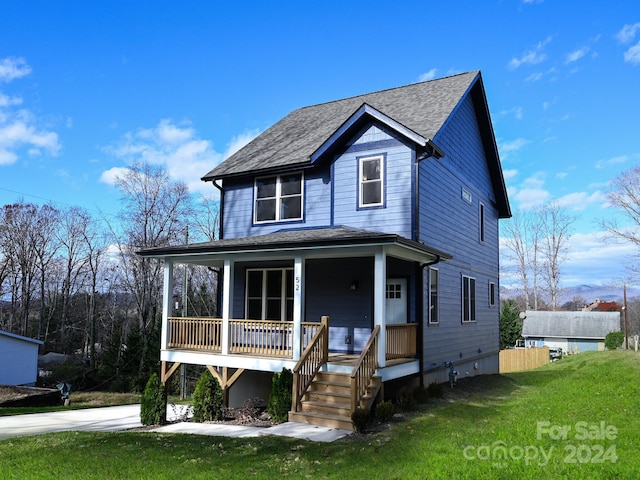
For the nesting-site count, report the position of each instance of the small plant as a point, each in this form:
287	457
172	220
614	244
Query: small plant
153	404
405	399
421	394
613	340
207	399
281	396
385	411
435	390
361	419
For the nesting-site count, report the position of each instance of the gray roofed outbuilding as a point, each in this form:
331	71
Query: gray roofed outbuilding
575	325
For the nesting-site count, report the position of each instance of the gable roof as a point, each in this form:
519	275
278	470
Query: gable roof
594	325
20	337
417	111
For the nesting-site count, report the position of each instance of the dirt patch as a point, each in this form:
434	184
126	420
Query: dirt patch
17	396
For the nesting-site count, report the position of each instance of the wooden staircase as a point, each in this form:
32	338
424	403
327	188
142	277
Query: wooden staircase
327	401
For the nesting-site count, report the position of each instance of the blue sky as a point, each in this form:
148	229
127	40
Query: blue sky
88	87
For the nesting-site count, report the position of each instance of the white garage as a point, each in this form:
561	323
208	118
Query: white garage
18	359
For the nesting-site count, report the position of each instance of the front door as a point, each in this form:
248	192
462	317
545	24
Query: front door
396	301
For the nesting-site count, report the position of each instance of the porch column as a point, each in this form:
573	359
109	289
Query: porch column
227	302
298	306
379	303
167	289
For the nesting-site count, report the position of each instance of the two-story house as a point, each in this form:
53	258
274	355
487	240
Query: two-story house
358	245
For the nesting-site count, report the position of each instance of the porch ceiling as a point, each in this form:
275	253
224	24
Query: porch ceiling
309	243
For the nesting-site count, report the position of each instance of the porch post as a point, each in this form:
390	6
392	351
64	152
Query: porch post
298	305
167	289
227	302
379	303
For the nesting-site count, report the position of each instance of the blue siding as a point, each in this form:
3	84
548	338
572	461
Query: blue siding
451	223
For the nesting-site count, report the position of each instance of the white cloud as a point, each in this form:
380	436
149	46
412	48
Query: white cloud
576	55
430	75
529	198
579	201
508	147
633	55
177	147
515	111
510	174
12	68
618	160
628	33
534	77
531	57
110	177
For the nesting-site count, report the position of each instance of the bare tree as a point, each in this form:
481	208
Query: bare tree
556	225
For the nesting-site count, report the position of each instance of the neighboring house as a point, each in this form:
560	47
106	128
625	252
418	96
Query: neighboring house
379	212
18	359
574	332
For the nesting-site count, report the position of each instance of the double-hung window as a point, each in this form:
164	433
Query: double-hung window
468	299
371	181
278	198
269	294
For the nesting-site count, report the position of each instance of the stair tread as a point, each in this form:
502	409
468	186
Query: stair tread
321	415
325	404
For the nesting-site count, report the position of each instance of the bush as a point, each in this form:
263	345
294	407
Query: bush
281	396
153	405
405	399
360	418
385	411
435	390
613	340
207	399
421	394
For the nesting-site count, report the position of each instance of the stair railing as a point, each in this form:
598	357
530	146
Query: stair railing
364	369
314	356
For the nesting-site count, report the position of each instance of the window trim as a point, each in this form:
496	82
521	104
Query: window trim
492	294
264	297
481	222
278	199
382	157
468	303
434	272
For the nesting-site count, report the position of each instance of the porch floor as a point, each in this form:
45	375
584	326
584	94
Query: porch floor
349	360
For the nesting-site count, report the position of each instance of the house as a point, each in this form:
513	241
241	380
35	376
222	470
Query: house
574	332
18	359
358	247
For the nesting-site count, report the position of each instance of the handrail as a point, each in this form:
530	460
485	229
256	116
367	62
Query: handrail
364	369
314	356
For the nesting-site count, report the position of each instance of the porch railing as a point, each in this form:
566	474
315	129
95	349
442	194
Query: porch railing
195	333
249	337
364	369
402	340
314	356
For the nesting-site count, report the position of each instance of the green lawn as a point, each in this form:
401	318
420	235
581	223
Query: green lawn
575	419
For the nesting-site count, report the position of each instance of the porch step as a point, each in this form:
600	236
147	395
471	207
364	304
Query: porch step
327	402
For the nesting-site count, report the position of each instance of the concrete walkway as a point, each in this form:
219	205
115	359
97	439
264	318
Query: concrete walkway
125	417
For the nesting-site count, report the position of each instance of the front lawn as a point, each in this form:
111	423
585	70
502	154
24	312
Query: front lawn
576	418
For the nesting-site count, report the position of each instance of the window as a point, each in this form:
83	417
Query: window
492	294
269	294
278	198
481	222
371	174
468	299
433	295
394	290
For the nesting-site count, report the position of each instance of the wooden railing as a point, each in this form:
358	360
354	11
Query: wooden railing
402	340
261	337
314	356
364	369
195	333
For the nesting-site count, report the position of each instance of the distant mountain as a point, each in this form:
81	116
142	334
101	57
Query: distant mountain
589	293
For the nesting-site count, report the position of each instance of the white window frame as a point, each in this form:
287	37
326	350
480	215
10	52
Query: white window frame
434	304
362	182
264	297
468	302
278	198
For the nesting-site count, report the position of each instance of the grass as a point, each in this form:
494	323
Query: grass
79	400
498	426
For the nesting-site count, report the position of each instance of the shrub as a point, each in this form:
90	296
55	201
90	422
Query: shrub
360	418
153	404
421	394
207	399
435	390
281	396
613	340
385	411
405	399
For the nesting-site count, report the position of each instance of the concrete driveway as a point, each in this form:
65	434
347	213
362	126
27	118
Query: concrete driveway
125	417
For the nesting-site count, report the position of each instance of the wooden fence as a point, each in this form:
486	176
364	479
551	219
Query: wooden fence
518	359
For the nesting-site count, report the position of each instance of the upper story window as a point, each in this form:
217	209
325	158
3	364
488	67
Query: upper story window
481	222
278	198
371	181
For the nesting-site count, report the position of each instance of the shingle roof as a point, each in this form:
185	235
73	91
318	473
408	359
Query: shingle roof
595	325
421	107
295	239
